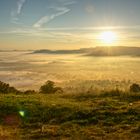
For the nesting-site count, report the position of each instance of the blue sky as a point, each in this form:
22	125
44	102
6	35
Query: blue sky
56	24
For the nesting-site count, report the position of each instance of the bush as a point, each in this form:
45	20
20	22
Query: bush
29	92
135	88
5	88
49	87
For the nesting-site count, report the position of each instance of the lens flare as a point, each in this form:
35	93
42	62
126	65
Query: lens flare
22	113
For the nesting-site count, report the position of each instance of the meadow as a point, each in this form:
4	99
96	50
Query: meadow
113	114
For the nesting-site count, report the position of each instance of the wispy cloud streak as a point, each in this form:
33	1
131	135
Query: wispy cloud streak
60	10
20	4
46	19
17	12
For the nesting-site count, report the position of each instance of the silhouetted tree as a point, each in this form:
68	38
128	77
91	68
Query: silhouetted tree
5	88
49	87
135	88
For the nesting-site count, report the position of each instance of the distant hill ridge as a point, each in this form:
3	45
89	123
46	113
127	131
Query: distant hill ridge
97	51
79	51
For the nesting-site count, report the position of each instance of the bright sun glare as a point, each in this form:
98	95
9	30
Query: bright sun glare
108	37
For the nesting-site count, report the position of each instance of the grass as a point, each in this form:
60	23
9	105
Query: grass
107	115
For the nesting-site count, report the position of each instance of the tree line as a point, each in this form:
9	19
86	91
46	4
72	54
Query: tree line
48	88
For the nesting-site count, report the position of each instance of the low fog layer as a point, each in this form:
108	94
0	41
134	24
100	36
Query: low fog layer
27	70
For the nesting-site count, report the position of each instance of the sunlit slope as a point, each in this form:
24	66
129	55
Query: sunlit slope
88	115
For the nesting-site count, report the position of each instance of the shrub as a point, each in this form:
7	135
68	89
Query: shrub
135	88
49	87
29	92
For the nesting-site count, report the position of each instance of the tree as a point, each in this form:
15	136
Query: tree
5	88
135	88
49	87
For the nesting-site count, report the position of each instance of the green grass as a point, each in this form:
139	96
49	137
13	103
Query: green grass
105	115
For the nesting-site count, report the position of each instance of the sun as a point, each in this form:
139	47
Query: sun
108	37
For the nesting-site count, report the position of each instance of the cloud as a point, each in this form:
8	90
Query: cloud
61	8
67	2
20	4
46	19
17	12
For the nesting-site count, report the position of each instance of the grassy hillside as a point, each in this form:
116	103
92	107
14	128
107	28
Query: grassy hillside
92	115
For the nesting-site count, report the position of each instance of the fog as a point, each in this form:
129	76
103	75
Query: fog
26	70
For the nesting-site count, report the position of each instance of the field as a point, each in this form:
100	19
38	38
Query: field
96	103
83	116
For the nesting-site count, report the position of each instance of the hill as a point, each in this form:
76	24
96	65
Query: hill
115	51
91	114
79	51
97	51
108	115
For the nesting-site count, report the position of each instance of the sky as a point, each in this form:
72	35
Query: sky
67	24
